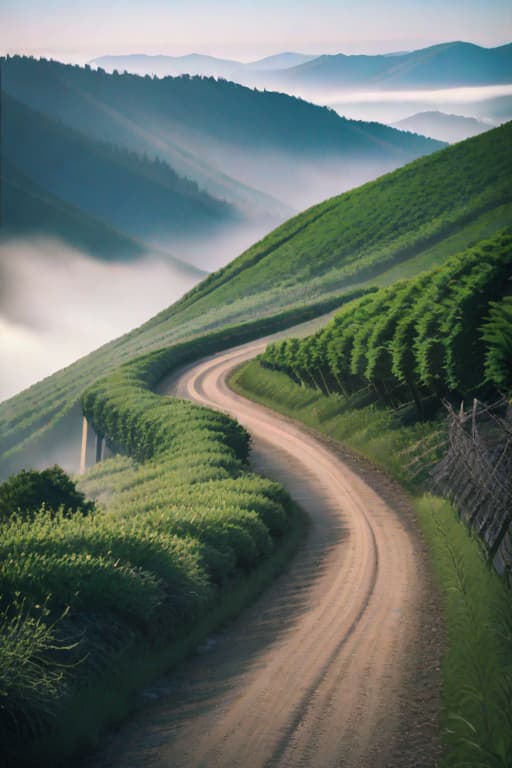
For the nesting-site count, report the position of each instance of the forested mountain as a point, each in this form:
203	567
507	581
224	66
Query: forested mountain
444	65
245	146
395	227
447	65
438	125
140	197
28	210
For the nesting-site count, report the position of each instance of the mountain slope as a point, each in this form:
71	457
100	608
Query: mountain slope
447	65
145	199
277	61
231	140
438	125
29	210
397	226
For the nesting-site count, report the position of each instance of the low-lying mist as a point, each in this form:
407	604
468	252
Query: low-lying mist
304	179
57	304
390	106
211	252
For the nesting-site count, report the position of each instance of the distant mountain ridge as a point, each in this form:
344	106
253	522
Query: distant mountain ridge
442	126
164	66
137	196
196	64
265	153
445	65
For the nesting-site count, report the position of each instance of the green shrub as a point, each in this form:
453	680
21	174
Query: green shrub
23	494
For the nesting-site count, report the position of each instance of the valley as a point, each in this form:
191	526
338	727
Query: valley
255	406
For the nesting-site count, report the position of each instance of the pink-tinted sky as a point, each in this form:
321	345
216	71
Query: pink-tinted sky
81	29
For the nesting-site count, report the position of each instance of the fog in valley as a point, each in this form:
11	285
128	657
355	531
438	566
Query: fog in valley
57	304
388	106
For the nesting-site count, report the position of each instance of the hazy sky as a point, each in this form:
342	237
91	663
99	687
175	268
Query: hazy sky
80	29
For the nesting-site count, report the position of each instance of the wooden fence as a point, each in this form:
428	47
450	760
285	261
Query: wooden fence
476	475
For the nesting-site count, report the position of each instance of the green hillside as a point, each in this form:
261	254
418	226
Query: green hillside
397	226
122	590
376	378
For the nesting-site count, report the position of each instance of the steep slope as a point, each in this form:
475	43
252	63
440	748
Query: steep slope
143	198
29	210
231	140
394	227
447	65
438	125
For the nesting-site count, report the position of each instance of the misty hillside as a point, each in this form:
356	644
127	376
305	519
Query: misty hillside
165	66
277	61
438	125
447	65
498	109
29	210
196	64
137	196
129	112
397	226
248	147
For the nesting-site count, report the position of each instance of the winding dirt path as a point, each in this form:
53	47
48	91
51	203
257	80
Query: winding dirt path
337	663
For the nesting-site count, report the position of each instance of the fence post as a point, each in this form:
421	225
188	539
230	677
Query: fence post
83	448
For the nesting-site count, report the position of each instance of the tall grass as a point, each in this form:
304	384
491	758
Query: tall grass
477	664
477	659
405	450
179	523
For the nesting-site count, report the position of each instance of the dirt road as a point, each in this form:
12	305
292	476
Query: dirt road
337	663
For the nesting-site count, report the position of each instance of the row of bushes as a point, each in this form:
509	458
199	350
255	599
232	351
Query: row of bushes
446	331
178	517
45	405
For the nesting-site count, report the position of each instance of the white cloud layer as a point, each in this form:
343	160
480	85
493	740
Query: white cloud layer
56	304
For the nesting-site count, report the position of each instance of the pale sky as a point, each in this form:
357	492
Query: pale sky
77	30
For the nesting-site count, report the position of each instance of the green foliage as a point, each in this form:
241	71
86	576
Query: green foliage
179	518
416	337
406	448
30	675
404	222
25	493
476	668
497	335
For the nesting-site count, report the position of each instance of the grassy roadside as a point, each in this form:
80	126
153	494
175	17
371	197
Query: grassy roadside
117	691
477	660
